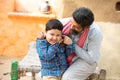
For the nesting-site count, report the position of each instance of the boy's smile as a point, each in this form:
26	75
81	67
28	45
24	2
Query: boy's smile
53	36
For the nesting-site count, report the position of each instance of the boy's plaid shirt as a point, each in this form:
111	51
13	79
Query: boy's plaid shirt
53	57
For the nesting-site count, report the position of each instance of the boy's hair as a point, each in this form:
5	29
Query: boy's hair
83	16
54	24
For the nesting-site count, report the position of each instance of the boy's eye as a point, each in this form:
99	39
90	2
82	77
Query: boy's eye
51	34
58	35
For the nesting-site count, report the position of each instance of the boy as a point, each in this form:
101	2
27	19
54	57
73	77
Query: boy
51	53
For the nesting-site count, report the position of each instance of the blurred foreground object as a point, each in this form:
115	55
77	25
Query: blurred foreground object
14	70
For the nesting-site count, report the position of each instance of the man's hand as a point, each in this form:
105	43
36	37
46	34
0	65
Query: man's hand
67	40
41	35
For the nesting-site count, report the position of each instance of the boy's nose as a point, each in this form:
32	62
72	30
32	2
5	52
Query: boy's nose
54	37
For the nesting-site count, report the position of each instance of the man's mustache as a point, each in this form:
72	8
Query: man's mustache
74	32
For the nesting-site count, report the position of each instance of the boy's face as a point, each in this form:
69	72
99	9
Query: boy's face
53	36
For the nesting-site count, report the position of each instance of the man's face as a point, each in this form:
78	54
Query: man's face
75	27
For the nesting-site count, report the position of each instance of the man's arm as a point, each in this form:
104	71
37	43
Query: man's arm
91	55
70	49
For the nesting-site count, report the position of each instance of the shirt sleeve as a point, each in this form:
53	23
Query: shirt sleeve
46	52
92	52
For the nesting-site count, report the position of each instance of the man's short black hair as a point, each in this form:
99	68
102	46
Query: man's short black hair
83	16
54	24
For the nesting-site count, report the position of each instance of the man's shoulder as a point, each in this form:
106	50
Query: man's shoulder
95	30
64	20
94	26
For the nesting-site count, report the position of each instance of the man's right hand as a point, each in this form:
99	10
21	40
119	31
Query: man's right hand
67	40
41	35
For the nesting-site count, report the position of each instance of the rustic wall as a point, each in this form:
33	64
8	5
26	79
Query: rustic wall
27	6
15	34
58	7
17	31
104	10
5	25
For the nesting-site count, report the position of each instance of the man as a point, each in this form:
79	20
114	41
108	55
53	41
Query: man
87	38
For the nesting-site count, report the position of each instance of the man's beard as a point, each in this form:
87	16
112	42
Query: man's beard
74	32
